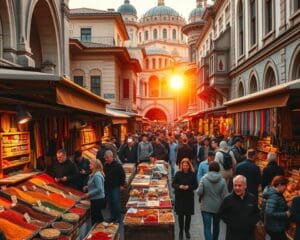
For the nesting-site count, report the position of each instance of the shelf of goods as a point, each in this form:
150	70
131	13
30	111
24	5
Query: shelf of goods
104	231
90	153
149	214
14	151
263	147
129	169
40	206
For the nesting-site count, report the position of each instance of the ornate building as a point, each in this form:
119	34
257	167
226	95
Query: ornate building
158	33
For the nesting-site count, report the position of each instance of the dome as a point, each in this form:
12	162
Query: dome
157	50
127	8
196	13
161	9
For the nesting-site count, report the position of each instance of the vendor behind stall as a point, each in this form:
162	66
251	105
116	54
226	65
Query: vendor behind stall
83	165
64	170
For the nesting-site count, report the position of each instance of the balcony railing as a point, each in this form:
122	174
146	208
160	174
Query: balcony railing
105	41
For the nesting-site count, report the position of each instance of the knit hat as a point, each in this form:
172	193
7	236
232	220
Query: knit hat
223	145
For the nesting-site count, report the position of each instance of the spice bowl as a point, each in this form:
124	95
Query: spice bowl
63	227
49	233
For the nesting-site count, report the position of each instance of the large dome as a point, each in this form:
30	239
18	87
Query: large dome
127	8
196	13
161	9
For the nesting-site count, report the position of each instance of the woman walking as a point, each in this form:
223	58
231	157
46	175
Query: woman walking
184	183
276	214
96	194
212	190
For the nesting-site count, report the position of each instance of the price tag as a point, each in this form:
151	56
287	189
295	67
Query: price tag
24	188
63	195
14	199
39	203
47	209
3	188
1	209
34	187
47	192
27	217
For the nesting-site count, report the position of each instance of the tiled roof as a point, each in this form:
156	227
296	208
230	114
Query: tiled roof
88	11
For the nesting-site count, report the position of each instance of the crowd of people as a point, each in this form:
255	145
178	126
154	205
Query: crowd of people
223	174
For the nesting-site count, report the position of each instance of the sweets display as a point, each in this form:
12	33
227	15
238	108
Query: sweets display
103	231
49	233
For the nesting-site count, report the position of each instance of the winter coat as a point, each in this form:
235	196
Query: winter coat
145	151
269	172
160	152
212	190
184	151
184	199
238	153
275	217
295	210
240	216
251	171
114	175
128	155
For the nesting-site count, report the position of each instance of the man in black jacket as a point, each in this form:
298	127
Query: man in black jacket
240	212
128	152
271	170
238	151
114	182
184	151
64	170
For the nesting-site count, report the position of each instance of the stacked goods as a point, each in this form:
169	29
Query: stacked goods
103	231
293	188
13	231
5	202
22	208
17	219
63	227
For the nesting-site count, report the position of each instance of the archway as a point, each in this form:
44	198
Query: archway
156	114
44	39
295	65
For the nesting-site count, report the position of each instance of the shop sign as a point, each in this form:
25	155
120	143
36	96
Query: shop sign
109	95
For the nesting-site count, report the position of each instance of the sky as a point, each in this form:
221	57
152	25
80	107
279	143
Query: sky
183	7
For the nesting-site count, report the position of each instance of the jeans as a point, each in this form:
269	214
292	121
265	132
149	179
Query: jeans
207	217
114	201
172	165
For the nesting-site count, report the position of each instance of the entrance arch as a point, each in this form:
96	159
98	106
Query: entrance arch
156	114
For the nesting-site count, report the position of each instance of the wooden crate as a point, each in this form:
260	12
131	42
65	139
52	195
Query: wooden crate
149	232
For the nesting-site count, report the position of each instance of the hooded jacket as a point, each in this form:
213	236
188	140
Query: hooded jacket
212	189
275	217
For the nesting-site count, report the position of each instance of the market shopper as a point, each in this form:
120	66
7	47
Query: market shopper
239	210
145	150
159	150
95	190
271	170
212	190
128	152
204	166
114	182
276	213
83	165
64	170
295	211
172	155
238	151
184	150
184	183
251	171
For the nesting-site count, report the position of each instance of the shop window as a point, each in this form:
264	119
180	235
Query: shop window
153	86
268	16
241	90
252	22
270	79
146	35
253	85
155	34
126	88
241	27
78	80
165	34
174	33
85	34
96	84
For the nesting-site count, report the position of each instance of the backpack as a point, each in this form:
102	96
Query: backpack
227	160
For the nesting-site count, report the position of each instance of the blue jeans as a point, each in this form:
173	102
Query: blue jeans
114	201
172	165
207	217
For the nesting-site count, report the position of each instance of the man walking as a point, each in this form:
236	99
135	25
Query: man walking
240	212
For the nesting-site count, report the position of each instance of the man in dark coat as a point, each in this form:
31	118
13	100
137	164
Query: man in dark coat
83	165
128	152
251	171
200	150
271	170
240	212
159	150
238	151
64	170
184	151
114	181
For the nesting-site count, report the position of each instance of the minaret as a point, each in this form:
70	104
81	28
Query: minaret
161	3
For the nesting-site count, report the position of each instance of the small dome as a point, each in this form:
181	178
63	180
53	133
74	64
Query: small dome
157	50
196	14
161	9
127	8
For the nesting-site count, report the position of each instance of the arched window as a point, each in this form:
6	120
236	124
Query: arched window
252	22
241	27
174	33
146	37
268	16
155	33
295	74
153	86
270	79
159	63
241	90
165	34
253	84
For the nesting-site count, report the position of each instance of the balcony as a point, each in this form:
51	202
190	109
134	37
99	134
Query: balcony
99	41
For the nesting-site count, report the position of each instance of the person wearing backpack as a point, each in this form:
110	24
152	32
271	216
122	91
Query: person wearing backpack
226	160
251	171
